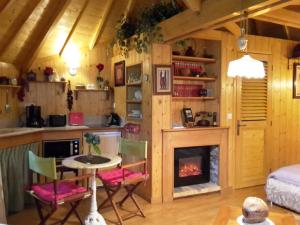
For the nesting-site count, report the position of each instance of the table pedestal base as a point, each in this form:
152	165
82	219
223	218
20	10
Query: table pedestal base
94	218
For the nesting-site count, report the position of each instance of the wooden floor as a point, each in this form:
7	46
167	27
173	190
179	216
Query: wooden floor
196	210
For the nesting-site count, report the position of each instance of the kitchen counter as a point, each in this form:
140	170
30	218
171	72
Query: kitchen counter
8	132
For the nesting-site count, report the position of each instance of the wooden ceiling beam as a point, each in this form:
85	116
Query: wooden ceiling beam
233	28
283	17
194	5
48	20
287	32
129	8
4	4
74	26
100	26
214	14
16	25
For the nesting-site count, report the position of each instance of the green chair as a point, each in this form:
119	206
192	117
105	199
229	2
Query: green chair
130	174
57	192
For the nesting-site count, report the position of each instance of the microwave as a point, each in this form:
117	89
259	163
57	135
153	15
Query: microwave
61	149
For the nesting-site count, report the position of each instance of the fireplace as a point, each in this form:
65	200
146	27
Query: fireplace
191	166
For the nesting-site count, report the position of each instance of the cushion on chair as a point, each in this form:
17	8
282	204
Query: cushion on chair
64	189
115	177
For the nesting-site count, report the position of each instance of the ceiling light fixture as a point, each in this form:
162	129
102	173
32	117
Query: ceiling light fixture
246	66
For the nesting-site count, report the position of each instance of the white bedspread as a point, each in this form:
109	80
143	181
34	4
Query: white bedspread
288	174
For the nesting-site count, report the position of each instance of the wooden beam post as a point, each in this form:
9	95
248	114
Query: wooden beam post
16	25
215	14
233	28
74	26
283	17
99	29
51	15
194	5
287	32
4	4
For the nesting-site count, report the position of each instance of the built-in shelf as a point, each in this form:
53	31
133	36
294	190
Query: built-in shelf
52	82
134	84
193	59
134	101
77	91
9	86
130	118
194	98
62	83
194	78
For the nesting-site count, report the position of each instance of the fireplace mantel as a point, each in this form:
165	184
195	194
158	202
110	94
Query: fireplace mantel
192	137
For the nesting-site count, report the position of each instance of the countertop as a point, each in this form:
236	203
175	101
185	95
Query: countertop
7	132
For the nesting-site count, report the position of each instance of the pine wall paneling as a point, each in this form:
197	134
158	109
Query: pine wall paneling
90	103
120	106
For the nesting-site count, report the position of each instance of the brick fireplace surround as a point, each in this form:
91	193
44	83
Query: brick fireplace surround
193	137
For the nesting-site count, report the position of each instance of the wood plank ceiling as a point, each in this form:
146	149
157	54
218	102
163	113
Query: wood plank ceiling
43	28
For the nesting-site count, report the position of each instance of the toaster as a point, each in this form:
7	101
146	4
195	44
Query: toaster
57	120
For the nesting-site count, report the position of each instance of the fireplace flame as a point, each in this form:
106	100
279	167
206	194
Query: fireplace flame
189	169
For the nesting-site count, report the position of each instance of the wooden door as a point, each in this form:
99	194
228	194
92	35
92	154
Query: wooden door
253	106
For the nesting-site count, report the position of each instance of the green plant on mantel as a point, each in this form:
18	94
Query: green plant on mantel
143	30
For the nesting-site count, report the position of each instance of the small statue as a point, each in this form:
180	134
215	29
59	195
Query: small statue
255	210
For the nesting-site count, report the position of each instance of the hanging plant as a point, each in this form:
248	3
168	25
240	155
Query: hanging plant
144	29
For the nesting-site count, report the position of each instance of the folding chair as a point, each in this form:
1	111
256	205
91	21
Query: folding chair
128	176
57	192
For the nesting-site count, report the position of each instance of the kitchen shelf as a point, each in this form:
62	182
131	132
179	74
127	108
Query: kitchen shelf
134	101
194	78
194	98
77	91
9	86
62	83
193	59
134	84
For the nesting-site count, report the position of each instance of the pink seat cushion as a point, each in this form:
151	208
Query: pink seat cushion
115	177
64	189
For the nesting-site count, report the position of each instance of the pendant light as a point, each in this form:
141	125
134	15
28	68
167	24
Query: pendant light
246	66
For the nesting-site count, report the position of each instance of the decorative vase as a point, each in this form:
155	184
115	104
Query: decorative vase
89	155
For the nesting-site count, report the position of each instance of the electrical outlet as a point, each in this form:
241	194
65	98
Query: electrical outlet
229	116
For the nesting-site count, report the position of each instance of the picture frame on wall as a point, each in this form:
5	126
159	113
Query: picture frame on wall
119	73
296	80
162	79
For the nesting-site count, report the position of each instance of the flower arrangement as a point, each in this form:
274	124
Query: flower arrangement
94	141
100	67
100	79
48	71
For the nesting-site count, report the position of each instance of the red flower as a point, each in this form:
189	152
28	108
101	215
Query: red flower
48	71
100	67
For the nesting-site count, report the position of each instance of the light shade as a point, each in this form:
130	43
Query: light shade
246	67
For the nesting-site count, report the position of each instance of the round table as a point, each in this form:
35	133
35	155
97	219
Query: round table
94	217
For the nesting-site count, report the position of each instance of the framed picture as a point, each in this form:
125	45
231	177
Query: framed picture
296	80
162	79
187	115
119	73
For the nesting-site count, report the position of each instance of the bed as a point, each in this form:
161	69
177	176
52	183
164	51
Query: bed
283	187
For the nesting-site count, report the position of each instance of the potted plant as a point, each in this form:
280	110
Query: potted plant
49	73
93	141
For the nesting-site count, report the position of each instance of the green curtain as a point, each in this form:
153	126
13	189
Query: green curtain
15	173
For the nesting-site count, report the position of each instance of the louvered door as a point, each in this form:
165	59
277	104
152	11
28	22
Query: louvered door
253	101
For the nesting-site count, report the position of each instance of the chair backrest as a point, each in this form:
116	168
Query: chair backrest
132	151
43	166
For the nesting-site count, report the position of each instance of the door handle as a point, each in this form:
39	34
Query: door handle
239	125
